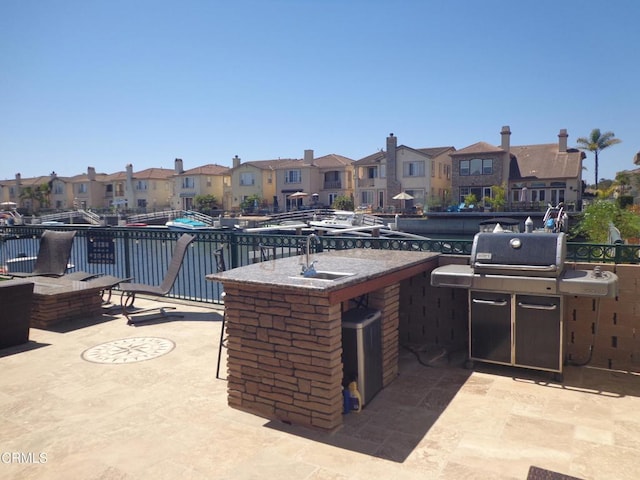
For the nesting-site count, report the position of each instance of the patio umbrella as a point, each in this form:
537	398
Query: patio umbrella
523	195
404	196
298	195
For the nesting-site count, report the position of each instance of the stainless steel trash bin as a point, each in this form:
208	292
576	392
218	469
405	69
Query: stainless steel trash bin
362	350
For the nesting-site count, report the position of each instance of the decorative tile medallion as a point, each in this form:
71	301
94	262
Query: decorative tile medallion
128	350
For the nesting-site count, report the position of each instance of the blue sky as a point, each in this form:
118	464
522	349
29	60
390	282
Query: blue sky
107	83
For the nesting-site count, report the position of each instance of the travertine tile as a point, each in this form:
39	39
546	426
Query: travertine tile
168	418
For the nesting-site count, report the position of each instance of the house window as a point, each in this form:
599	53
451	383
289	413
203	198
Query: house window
292	176
372	172
413	169
383	171
188	182
82	188
141	185
58	189
247	179
367	197
476	166
478	192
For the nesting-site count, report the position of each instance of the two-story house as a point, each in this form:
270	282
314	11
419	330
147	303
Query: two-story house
148	189
207	179
321	179
87	190
332	177
252	178
533	175
423	173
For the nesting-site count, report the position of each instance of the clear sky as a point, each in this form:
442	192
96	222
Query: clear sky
105	83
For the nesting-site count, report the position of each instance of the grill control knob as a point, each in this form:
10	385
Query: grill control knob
515	243
597	273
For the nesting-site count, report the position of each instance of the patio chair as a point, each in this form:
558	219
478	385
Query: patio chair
130	290
221	266
266	253
53	255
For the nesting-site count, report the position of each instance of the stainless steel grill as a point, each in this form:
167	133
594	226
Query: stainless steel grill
516	284
524	263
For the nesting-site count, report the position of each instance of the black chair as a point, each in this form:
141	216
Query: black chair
130	290
53	255
221	266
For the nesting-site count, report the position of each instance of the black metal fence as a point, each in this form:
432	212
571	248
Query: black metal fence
143	254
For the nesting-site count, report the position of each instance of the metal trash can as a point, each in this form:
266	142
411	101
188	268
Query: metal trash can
362	351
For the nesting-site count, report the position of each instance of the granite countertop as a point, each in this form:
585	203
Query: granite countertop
365	264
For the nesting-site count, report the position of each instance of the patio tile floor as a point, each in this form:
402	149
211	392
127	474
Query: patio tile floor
166	417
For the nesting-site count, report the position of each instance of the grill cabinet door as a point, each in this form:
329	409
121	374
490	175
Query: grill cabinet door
538	332
490	326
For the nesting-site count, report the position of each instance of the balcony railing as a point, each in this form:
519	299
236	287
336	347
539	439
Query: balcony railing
366	182
144	253
335	184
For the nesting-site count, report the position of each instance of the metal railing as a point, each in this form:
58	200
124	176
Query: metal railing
143	254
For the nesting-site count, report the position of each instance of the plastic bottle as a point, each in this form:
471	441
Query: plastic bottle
356	399
528	225
346	401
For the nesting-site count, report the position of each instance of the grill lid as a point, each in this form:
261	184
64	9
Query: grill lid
509	253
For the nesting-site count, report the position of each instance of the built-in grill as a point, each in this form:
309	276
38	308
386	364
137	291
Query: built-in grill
516	284
524	263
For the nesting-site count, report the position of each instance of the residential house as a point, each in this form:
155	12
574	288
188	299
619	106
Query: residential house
533	175
60	192
424	173
253	178
148	190
205	180
331	176
115	187
15	191
322	179
86	191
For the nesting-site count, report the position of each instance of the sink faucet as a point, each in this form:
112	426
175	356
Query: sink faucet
309	269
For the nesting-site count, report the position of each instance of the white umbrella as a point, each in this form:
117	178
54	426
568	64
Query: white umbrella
403	196
523	195
298	195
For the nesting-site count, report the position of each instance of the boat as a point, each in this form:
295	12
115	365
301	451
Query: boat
186	223
9	214
339	219
505	225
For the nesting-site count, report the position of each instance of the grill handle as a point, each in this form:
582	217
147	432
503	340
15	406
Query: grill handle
540	268
537	307
496	303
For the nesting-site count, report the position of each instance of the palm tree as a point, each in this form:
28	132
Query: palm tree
596	142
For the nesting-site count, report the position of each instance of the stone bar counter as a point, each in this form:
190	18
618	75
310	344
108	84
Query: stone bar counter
285	331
